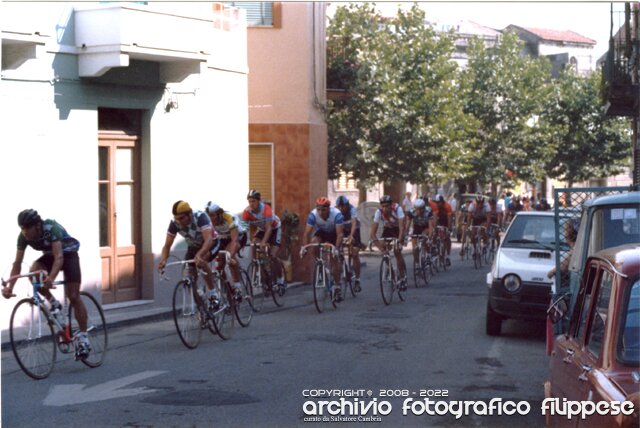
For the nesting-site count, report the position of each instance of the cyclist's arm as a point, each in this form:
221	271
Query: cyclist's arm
207	244
267	233
373	232
339	235
354	225
305	236
58	261
164	254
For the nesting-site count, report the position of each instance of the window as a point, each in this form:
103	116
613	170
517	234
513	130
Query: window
260	13
614	226
629	342
581	309
346	182
599	320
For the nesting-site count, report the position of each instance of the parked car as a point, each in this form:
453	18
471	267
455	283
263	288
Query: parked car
598	358
461	211
607	221
518	284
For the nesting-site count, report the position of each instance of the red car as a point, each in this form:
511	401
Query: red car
598	359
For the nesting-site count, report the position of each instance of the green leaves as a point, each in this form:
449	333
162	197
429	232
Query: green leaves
409	113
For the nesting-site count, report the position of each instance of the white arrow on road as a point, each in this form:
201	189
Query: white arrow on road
65	395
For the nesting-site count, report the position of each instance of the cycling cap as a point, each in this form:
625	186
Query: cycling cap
341	201
386	199
253	194
181	207
439	198
212	207
28	218
323	202
419	203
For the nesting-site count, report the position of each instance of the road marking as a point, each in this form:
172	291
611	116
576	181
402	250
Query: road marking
66	395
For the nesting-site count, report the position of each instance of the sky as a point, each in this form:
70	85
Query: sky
591	19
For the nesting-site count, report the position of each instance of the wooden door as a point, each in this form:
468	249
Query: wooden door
119	197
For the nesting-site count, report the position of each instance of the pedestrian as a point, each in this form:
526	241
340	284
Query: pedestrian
407	205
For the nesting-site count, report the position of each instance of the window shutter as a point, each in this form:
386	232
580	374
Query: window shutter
258	13
260	170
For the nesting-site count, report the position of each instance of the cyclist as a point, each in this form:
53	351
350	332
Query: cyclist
60	253
260	216
391	216
351	229
327	225
476	216
202	240
495	216
233	237
443	212
423	223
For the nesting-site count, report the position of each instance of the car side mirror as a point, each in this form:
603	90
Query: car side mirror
557	309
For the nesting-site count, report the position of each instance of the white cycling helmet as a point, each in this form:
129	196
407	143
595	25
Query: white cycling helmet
419	203
212	207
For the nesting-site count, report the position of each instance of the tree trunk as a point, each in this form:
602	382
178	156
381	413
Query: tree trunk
362	193
395	189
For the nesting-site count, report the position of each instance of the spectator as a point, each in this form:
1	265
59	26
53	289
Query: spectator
453	201
407	205
526	204
543	205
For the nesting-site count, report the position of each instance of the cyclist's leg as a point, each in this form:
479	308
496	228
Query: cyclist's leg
43	263
274	241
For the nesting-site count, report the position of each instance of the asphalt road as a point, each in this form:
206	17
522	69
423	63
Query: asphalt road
432	346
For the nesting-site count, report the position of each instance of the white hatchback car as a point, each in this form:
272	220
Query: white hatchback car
518	283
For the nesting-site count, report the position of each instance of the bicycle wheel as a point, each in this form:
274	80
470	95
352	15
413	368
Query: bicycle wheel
477	256
32	339
425	264
187	317
399	287
490	251
386	281
320	291
222	316
418	270
242	305
278	290
96	329
443	257
256	289
348	283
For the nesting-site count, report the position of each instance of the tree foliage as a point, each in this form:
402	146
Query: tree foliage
399	120
584	142
409	113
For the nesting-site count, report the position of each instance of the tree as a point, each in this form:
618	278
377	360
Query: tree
506	92
585	142
399	120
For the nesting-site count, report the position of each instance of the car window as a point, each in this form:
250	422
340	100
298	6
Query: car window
613	226
629	343
581	309
599	320
531	230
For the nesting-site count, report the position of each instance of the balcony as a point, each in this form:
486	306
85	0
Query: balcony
621	89
109	35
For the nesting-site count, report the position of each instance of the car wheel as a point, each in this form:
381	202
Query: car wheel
494	322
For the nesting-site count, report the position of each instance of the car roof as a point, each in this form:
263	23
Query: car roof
540	213
624	258
621	198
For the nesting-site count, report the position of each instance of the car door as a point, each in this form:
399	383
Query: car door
568	356
596	385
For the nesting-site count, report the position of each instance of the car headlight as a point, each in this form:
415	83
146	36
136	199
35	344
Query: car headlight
511	283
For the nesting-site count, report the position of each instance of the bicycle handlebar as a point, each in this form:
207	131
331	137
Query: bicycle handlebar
39	273
303	249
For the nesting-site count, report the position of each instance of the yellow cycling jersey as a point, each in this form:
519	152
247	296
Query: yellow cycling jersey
227	224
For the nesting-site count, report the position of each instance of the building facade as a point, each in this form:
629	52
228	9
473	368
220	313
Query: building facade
111	113
287	97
